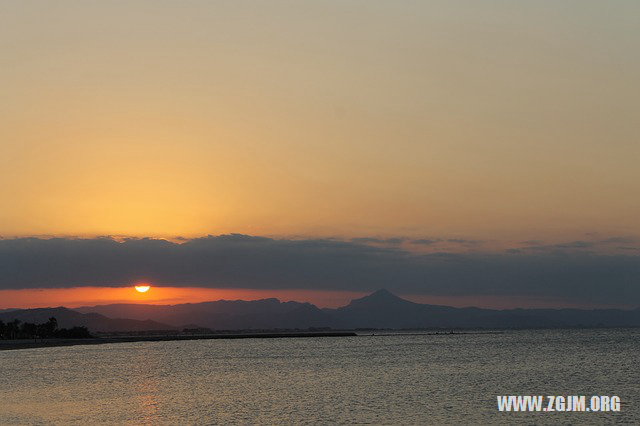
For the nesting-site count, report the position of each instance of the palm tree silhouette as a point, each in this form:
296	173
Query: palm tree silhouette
13	328
51	326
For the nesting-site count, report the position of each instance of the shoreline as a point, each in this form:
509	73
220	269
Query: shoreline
6	345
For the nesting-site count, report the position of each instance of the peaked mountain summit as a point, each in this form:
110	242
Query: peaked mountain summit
382	298
380	309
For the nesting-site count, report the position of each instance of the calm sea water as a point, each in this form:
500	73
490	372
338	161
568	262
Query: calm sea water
365	379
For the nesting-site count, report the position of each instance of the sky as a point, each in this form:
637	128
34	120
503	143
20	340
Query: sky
500	134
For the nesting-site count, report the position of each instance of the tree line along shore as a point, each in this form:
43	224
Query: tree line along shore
18	330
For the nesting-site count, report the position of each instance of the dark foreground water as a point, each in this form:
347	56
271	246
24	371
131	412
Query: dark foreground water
366	379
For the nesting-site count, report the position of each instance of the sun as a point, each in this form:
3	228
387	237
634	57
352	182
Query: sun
142	288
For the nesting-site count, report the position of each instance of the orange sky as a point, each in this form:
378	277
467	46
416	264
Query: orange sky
492	121
86	296
89	296
489	121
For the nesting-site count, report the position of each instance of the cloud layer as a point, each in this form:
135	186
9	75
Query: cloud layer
561	271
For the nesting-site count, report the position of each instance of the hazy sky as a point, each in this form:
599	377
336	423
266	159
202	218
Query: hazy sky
487	119
450	149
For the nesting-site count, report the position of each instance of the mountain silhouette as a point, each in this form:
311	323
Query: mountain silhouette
380	309
379	299
223	314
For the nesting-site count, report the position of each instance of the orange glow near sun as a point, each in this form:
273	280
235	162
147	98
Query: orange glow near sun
142	288
90	296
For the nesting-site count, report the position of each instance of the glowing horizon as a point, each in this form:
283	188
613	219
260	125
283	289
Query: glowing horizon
76	297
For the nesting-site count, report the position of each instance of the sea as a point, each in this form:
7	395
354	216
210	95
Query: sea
374	378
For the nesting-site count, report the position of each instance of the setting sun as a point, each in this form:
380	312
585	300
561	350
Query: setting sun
142	288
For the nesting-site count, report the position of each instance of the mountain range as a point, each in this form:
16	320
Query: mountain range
380	309
68	318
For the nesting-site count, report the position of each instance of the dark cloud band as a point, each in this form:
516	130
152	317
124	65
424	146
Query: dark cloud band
241	261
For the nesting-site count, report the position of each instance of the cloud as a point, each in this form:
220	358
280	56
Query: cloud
619	240
243	261
576	244
464	241
602	245
425	241
372	240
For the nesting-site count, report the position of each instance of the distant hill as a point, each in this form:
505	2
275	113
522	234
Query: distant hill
380	309
223	314
68	318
